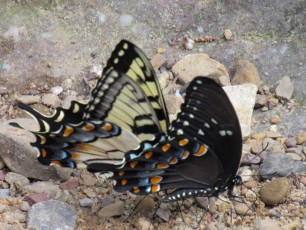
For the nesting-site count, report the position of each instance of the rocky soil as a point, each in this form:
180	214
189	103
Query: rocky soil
52	52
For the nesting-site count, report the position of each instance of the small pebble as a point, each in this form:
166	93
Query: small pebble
67	84
4	193
51	100
275	192
29	99
275	120
164	214
228	34
57	90
2	175
158	60
25	206
107	201
264	109
115	209
243	209
290	142
125	20
300	139
36	198
86	202
20	216
89	179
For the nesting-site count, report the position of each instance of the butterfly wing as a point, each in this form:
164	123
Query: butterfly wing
202	151
137	106
125	108
209	117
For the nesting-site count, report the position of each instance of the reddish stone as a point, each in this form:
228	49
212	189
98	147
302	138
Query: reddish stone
70	184
2	175
36	198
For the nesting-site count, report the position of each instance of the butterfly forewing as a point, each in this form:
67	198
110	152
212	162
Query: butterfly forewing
135	102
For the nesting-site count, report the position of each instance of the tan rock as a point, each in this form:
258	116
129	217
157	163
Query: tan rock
158	60
198	64
300	139
246	72
228	34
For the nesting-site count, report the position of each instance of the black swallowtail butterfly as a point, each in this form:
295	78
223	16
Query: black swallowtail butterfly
124	129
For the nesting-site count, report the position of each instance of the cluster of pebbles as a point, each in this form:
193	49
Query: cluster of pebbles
273	169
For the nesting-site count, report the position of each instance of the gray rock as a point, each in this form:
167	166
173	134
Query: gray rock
273	146
17	180
199	64
4	193
48	188
243	100
3	90
279	165
146	206
86	202
142	224
107	201
275	192
164	214
20	157
285	89
243	209
20	216
25	206
261	101
67	84
52	214
51	100
248	159
263	224
29	99
115	209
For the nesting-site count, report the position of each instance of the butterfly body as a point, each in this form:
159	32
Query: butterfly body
125	130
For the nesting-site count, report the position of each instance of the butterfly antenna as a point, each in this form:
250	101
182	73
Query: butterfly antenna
135	208
180	210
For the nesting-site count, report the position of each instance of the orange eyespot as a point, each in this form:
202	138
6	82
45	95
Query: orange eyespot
121	173
185	155
183	142
148	155
43	153
136	190
42	139
124	182
156	179
88	127
133	164
107	127
162	166
202	150
173	161
155	188
166	147
68	131
56	163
